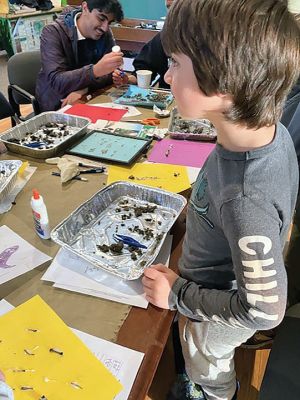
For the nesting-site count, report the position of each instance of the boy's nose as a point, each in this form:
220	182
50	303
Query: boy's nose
168	77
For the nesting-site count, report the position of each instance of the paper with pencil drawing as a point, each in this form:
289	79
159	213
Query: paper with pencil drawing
16	255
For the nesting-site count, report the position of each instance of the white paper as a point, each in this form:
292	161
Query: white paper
5	307
122	362
64	109
193	173
88	279
128	64
16	255
6	203
131	110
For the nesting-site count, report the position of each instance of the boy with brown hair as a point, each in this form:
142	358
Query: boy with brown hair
232	62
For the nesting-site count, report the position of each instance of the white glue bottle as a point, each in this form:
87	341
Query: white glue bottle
40	215
117	49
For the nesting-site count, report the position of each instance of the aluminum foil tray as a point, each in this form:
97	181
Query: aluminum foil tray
8	175
144	213
201	129
77	125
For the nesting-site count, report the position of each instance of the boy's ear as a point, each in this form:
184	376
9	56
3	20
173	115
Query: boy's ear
225	100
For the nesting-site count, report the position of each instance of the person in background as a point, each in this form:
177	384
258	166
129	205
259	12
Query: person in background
6	392
152	57
76	53
232	276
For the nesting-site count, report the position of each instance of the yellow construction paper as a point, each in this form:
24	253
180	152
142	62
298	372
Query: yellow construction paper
49	373
173	178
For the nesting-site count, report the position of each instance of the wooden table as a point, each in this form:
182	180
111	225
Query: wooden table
143	330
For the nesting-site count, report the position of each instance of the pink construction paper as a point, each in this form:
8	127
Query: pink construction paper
94	113
181	152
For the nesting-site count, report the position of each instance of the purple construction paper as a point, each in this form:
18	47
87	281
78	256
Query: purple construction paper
181	152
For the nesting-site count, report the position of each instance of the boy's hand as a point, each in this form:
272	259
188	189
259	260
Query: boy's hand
108	63
158	281
119	78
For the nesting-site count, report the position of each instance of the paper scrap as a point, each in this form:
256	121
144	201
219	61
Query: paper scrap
181	152
16	255
173	178
95	113
40	352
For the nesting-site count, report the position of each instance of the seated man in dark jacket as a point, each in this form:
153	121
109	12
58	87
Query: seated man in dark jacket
152	57
76	53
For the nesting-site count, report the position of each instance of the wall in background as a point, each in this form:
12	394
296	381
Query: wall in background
146	9
294	5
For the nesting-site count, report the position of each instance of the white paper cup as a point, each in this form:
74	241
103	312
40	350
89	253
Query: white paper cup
160	25
143	78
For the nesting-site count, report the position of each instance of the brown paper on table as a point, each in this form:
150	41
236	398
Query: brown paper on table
98	317
95	316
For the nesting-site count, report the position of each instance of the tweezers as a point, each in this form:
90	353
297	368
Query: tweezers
34	145
93	171
129	241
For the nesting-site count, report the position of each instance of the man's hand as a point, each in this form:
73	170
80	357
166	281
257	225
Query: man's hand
71	99
158	281
108	63
120	78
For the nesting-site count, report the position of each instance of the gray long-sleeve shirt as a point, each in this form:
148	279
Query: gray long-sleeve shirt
232	268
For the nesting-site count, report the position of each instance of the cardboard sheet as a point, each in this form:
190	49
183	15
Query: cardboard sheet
181	152
173	178
27	334
94	113
122	362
